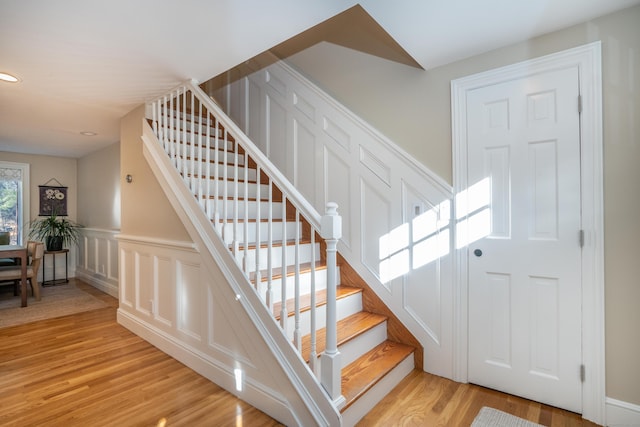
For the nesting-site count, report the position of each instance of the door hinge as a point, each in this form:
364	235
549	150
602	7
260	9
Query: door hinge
582	373
581	237
579	104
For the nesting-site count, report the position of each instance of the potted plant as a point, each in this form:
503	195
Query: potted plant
55	231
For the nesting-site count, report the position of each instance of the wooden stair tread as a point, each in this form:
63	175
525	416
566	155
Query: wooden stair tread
361	375
321	299
348	329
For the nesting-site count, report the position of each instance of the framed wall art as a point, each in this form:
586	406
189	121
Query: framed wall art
53	199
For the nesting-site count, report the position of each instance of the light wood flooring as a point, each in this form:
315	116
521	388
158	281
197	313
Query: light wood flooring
86	370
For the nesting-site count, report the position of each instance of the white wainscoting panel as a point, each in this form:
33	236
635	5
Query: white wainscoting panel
184	306
97	262
332	155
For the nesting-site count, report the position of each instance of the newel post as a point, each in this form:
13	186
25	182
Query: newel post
331	364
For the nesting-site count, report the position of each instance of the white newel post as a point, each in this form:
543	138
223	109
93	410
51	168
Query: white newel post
331	365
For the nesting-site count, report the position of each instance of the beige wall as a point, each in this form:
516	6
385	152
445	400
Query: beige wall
99	189
41	170
145	210
412	107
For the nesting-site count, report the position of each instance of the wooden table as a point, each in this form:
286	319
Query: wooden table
16	251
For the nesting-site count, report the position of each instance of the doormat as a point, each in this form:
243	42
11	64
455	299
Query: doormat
489	417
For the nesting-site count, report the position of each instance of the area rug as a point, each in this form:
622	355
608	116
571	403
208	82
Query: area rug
489	417
56	301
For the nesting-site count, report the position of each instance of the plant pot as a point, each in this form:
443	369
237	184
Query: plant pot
54	243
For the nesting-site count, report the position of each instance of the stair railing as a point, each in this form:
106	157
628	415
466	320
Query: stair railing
190	126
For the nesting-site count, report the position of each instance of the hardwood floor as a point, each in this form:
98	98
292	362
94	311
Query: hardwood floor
423	399
86	370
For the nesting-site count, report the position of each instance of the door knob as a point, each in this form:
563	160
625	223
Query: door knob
477	253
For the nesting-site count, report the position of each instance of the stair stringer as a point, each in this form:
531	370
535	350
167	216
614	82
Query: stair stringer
292	384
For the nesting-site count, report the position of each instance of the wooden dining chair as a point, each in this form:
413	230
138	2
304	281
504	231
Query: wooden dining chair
35	252
5	239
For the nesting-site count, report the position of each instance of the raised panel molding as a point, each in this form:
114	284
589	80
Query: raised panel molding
430	245
304	107
337	134
375	165
337	180
363	172
165	285
210	337
98	259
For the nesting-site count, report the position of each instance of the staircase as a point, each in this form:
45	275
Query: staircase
280	248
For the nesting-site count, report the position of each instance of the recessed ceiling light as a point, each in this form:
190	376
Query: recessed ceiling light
6	77
88	133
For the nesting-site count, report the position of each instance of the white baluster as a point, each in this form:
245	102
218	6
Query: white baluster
283	308
245	267
225	188
297	338
200	153
235	198
313	354
192	163
331	229
171	131
207	177
257	236
269	247
216	171
154	120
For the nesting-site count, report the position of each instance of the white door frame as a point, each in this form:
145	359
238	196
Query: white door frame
587	59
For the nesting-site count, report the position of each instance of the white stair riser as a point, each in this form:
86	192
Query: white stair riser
305	285
304	255
174	117
222	169
226	209
344	307
353	349
249	188
195	138
227	231
199	156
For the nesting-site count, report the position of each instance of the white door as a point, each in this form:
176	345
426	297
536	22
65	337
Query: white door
524	265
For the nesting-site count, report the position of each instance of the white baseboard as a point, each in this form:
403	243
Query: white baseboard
621	413
98	282
254	394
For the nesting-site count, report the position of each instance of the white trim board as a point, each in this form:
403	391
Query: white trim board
587	59
621	413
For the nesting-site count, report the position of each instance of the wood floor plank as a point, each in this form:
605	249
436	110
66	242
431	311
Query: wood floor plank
422	399
86	370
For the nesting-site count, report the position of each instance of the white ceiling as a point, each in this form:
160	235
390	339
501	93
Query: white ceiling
84	64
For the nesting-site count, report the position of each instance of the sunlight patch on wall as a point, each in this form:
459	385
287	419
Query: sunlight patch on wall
427	237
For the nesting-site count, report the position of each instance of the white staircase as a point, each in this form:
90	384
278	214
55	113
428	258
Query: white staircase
277	243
